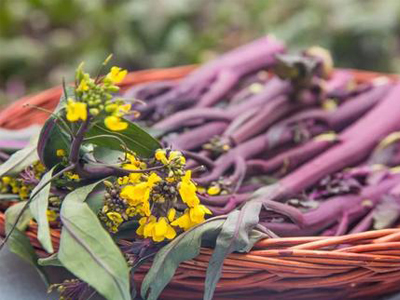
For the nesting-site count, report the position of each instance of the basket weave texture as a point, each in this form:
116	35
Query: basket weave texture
356	266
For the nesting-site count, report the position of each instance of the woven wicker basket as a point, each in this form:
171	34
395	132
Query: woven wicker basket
356	266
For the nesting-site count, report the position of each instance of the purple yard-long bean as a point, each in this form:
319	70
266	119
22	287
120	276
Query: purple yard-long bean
336	120
335	209
356	142
209	83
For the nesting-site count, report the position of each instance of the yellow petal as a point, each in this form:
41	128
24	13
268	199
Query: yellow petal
160	229
116	74
115	124
171	214
160	155
171	233
115	217
76	111
51	215
153	179
213	190
60	152
196	214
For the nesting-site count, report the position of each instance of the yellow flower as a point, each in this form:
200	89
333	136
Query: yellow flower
162	229
60	152
144	209
118	110
157	230
123	180
187	190
153	179
149	226
142	223
133	160
171	214
161	156
39	167
51	215
116	74
176	155
140	192
72	176
184	221
214	190
133	177
115	124
115	217
197	213
23	192
6	180
131	211
76	111
136	194
83	86
122	110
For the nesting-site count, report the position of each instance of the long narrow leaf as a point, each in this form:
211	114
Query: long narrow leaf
19	160
234	236
184	247
38	207
18	242
88	251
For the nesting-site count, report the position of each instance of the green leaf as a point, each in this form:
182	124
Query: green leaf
135	138
18	242
52	260
106	155
184	247
234	236
38	207
88	251
95	199
9	197
12	213
19	160
52	137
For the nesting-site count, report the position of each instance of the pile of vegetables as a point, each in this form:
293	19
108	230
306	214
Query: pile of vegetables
258	143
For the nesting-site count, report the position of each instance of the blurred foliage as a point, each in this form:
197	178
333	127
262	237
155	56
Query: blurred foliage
43	40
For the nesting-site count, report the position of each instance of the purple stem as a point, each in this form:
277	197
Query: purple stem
290	159
238	62
364	224
345	114
327	213
198	136
268	115
252	59
208	163
356	142
222	200
180	118
340	81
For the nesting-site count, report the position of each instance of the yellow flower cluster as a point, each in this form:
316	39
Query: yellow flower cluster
163	202
93	98
17	186
14	186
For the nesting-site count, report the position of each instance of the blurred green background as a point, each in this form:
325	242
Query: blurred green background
43	40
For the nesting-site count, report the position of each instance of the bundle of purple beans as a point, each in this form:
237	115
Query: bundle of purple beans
321	149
